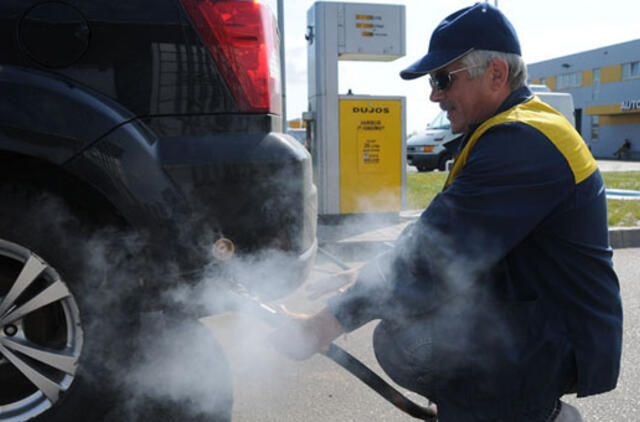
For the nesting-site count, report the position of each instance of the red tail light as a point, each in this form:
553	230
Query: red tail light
242	38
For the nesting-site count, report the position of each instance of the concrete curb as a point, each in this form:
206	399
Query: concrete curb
624	237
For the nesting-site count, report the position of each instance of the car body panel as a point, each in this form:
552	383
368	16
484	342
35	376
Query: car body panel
46	116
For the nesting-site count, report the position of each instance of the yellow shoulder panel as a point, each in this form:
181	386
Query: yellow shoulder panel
547	120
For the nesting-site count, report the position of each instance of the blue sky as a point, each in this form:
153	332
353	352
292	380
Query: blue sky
546	28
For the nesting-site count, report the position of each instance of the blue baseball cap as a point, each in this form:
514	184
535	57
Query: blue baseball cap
479	27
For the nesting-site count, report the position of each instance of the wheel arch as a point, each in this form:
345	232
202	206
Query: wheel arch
45	114
40	175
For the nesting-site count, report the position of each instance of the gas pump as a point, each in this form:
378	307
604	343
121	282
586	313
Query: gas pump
357	142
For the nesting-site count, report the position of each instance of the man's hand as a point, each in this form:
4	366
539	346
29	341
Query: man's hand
305	335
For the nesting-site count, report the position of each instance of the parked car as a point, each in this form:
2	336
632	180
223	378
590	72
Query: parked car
426	149
160	118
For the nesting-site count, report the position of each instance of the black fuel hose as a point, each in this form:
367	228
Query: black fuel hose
379	385
254	306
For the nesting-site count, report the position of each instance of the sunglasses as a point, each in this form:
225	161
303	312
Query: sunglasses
442	79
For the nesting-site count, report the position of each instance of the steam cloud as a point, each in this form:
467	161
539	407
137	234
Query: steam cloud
146	346
150	347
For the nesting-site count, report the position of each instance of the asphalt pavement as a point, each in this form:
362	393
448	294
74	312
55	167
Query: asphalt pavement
618	165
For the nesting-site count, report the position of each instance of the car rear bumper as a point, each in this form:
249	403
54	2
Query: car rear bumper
255	190
425	160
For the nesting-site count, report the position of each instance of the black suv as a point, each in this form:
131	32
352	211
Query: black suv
155	117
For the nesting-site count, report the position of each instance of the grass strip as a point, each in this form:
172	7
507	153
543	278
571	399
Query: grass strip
423	187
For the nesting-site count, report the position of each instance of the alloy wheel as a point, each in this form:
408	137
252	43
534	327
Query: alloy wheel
41	336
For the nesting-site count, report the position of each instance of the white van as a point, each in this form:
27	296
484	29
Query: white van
426	149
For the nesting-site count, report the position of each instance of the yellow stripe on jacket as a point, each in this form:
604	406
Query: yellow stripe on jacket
547	120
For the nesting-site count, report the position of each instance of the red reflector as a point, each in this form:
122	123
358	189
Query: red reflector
242	38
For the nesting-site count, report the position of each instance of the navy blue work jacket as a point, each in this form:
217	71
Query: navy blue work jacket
512	263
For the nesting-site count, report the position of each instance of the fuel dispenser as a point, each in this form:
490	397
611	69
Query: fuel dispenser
357	142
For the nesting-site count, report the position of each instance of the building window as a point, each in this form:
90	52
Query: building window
569	80
595	125
631	70
595	93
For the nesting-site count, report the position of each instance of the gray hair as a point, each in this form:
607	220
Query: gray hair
480	59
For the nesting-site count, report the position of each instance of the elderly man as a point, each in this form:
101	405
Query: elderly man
502	297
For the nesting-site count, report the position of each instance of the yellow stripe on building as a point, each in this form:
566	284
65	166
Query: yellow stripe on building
551	82
587	77
603	109
611	74
628	119
610	109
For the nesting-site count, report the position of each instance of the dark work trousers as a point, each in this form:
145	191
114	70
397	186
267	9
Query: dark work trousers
407	353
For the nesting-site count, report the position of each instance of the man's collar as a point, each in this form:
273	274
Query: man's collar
518	96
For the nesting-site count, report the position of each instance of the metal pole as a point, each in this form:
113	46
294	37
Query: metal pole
283	77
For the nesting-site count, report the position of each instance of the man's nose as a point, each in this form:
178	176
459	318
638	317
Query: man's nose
436	95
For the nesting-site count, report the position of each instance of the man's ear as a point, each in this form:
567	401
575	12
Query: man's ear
498	74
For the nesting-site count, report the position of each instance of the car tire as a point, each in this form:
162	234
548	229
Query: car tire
181	374
422	168
68	342
442	161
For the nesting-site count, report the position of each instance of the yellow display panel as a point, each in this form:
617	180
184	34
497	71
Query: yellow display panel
370	155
